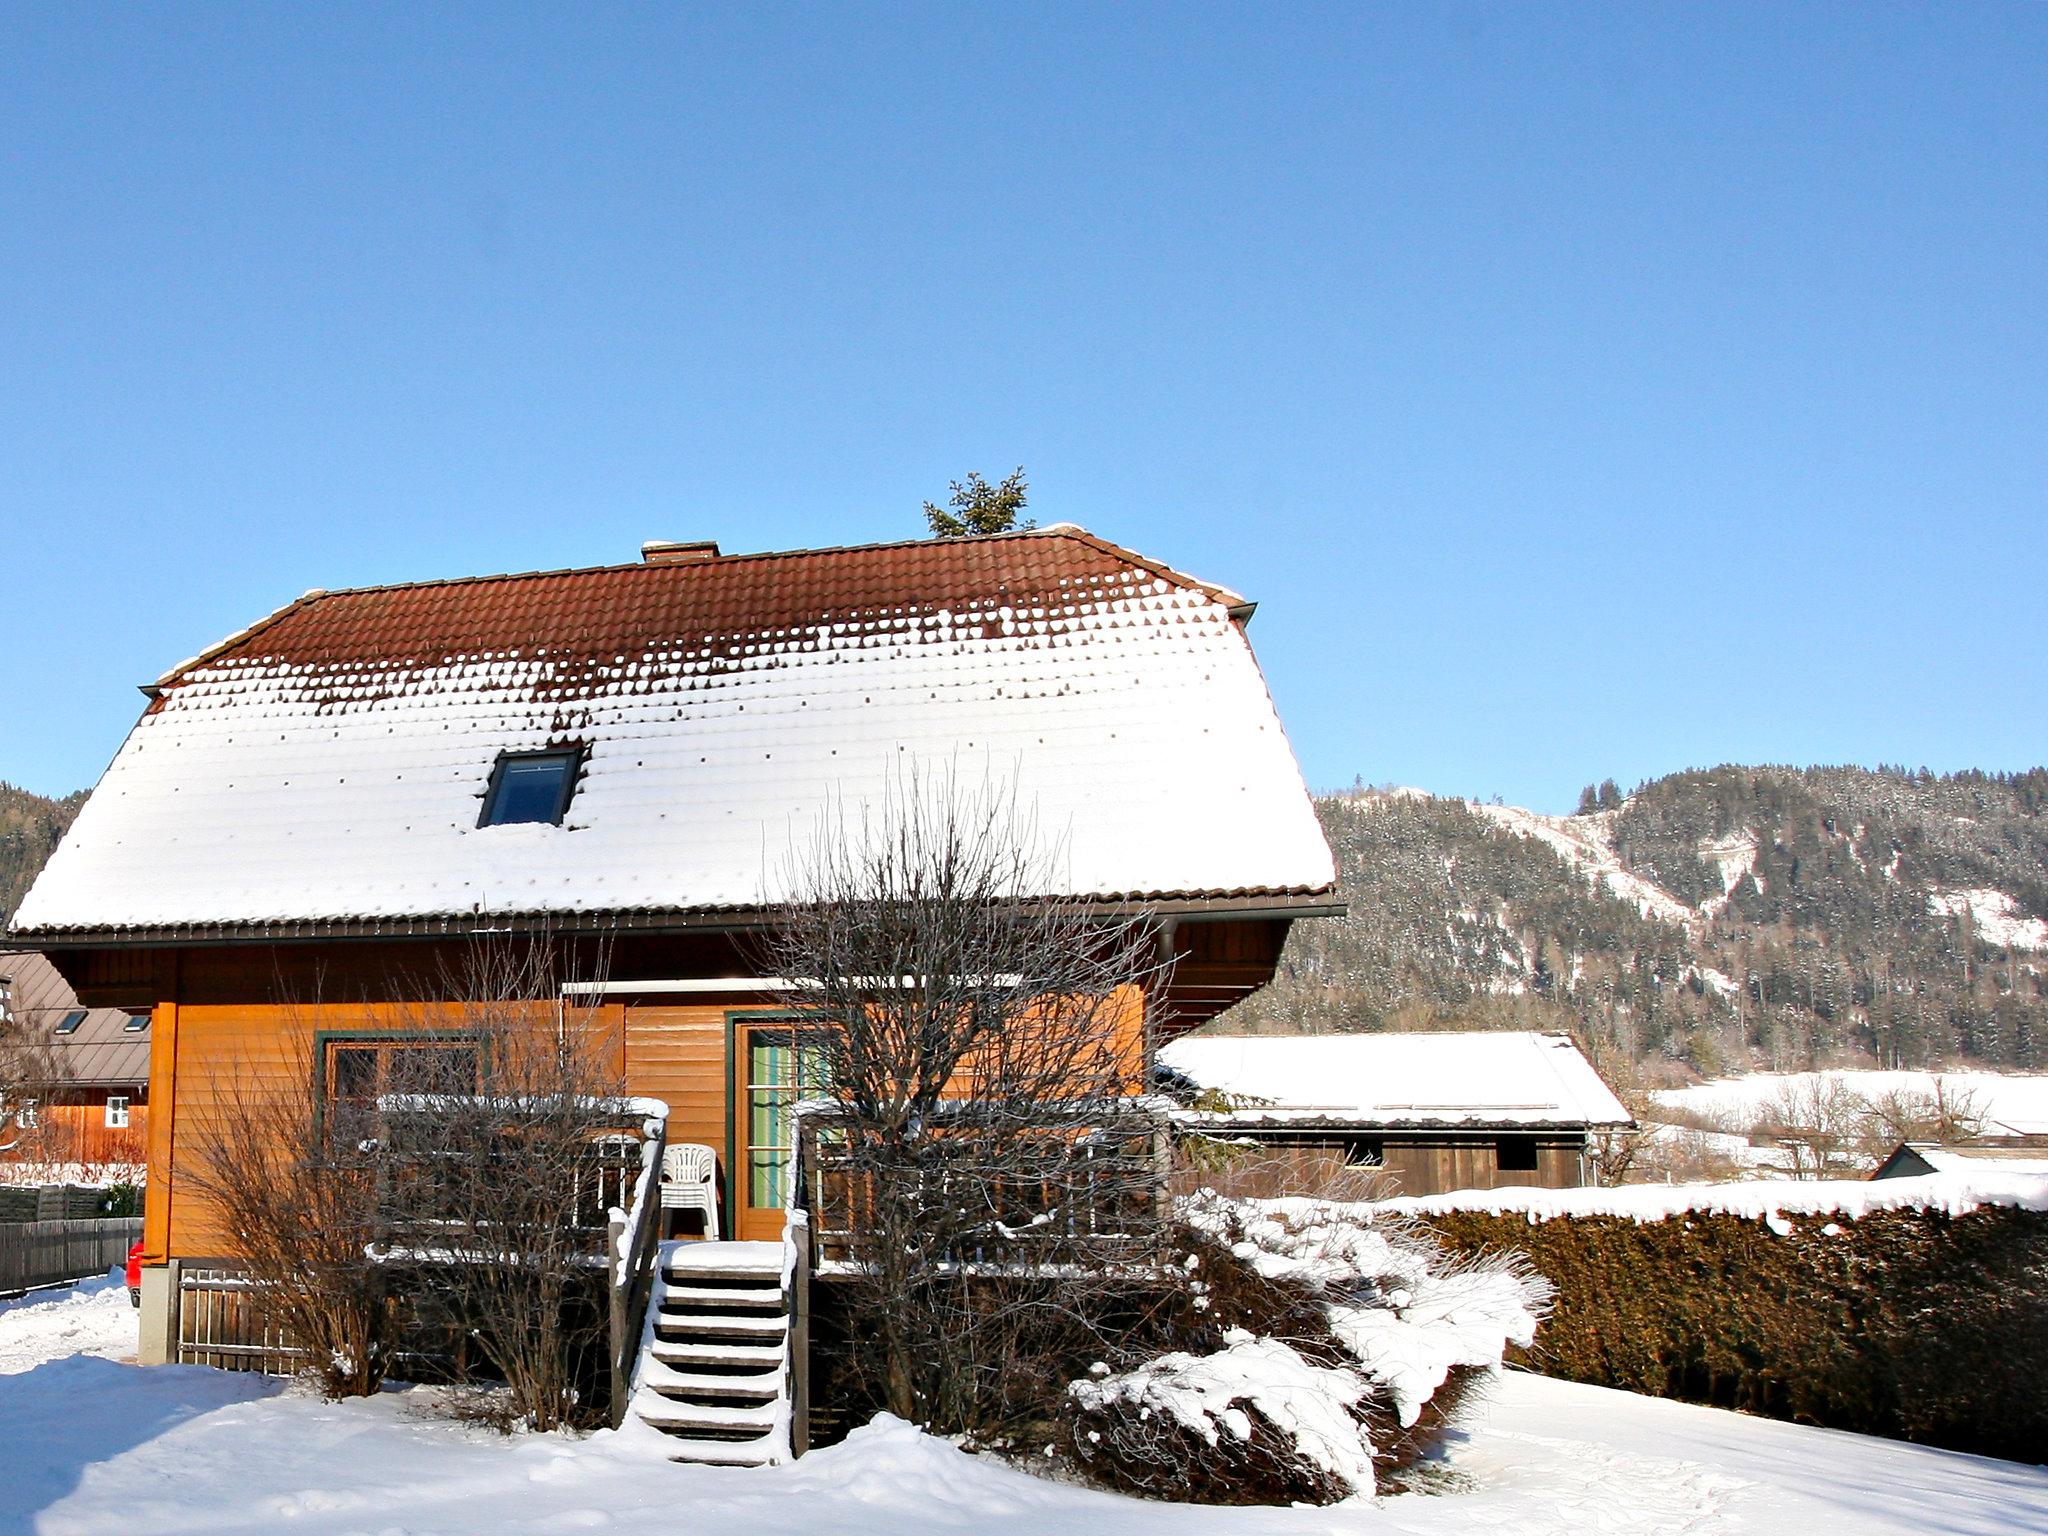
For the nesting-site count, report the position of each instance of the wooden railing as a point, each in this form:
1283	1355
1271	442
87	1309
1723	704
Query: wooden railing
632	1241
1044	1186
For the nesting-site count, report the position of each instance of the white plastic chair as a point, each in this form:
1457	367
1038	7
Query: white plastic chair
689	1182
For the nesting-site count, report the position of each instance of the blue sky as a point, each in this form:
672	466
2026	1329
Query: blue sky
1581	391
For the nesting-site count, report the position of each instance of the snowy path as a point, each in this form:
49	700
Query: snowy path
89	1447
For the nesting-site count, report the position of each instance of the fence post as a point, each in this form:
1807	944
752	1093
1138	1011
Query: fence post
616	1261
800	1335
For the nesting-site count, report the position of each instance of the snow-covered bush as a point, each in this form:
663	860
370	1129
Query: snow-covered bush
1312	1350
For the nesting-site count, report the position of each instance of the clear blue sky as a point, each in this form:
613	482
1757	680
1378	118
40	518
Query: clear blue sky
1580	391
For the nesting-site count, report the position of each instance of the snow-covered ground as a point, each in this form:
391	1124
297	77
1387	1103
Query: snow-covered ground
91	1318
90	1446
2017	1103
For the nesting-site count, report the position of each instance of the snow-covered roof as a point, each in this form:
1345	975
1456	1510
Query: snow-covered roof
1469	1079
2029	1156
327	765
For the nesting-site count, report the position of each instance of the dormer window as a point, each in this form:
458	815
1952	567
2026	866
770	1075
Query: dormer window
530	786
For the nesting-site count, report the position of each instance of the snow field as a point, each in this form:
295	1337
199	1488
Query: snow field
2016	1102
89	1447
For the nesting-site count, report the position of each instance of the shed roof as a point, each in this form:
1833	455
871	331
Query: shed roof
1472	1080
327	764
102	1052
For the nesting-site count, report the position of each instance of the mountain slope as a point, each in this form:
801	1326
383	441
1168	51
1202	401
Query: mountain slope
30	826
1727	917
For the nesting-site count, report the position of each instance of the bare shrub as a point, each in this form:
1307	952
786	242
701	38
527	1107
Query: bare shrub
1242	1168
983	1038
297	1197
500	1159
434	1179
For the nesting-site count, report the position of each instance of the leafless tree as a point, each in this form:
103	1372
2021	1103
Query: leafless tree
447	1165
501	1158
26	1072
1817	1118
1946	1112
984	1040
294	1194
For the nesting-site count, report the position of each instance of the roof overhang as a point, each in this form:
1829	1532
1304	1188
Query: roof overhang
1276	904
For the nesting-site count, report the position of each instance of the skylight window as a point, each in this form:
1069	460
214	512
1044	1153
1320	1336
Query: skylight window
68	1025
137	1023
530	786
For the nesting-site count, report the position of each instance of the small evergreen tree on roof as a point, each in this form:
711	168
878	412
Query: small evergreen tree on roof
978	507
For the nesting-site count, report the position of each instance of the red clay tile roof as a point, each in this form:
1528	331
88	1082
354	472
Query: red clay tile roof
327	766
606	613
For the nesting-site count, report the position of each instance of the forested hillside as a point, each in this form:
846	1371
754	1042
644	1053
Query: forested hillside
29	828
1726	918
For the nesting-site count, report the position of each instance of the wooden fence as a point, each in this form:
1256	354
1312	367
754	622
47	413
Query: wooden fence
221	1324
34	1253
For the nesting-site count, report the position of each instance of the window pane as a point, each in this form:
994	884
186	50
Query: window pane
434	1069
767	1179
68	1025
352	1072
529	788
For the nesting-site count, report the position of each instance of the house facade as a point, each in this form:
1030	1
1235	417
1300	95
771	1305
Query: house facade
1429	1112
91	1107
312	820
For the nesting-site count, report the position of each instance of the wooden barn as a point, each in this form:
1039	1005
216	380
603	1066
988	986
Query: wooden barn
330	803
92	1105
1430	1112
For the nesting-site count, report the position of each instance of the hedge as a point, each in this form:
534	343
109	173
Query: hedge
1911	1323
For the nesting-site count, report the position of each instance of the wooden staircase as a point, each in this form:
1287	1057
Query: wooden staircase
714	1365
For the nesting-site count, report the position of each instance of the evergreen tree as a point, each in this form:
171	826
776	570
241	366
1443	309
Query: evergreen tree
978	507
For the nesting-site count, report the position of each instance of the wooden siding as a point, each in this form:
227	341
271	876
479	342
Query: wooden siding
1408	1164
220	1029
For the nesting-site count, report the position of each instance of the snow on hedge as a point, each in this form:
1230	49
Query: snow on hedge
1769	1201
1410	1314
1400	1317
1210	1395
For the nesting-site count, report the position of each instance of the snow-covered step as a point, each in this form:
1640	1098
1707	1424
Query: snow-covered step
763	1357
722	1325
752	1260
702	1296
712	1418
702	1386
724	1453
713	1373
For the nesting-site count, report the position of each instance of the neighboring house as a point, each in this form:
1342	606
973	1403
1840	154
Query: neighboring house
334	800
92	1100
1997	1155
1434	1112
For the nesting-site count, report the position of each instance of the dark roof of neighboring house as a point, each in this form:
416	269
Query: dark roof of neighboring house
102	1052
327	765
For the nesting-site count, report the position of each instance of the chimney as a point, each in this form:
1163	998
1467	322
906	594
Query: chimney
678	551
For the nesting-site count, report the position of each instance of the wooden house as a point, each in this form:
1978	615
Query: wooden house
333	799
92	1107
1431	1112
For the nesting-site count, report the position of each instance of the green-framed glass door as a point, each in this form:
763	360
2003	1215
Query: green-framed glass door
774	1065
